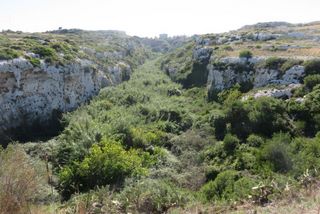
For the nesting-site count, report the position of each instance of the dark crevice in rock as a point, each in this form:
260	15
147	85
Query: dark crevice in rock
37	131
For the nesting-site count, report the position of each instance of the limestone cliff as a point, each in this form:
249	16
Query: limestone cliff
45	74
214	61
29	93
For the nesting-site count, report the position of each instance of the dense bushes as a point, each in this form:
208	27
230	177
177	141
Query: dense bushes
155	196
262	116
106	164
230	143
274	63
255	140
281	64
276	153
312	66
149	195
223	187
139	146
311	81
6	54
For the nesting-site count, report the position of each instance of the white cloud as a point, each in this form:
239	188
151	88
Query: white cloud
151	17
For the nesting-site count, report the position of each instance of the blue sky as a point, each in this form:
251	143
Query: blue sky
152	17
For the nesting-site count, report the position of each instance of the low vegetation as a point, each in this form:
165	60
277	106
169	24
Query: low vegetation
157	143
245	54
127	141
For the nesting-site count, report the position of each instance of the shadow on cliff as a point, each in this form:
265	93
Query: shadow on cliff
37	131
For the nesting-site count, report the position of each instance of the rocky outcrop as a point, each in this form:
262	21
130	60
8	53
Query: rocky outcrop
237	70
29	93
280	93
229	71
222	73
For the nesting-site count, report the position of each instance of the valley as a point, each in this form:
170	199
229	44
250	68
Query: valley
102	122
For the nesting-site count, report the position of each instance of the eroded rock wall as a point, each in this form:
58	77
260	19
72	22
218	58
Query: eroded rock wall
29	93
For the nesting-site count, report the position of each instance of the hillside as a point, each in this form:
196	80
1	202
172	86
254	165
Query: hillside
46	74
216	123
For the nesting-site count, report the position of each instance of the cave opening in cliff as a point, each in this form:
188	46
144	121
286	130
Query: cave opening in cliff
34	132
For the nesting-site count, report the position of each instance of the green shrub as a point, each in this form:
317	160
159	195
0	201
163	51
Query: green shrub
212	172
222	187
7	54
311	106
44	51
106	164
255	140
216	151
246	158
243	188
230	143
311	80
34	61
262	116
152	196
289	63
274	63
142	138
276	153
312	66
245	54
227	97
218	121
306	155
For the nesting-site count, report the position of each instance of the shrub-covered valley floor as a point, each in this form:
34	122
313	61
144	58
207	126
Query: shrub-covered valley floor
150	146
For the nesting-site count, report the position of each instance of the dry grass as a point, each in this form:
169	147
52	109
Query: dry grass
306	201
18	181
306	47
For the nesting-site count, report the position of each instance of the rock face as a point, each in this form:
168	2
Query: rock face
29	93
282	93
242	71
222	73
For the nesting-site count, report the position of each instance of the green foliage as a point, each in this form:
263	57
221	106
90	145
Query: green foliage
222	187
142	138
247	158
218	121
312	66
7	54
155	196
245	54
312	110
306	113
255	140
230	143
150	129
305	155
311	81
276	153
34	61
289	63
243	188
106	164
44	51
227	97
274	63
262	116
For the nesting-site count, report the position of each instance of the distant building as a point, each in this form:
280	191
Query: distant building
163	36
